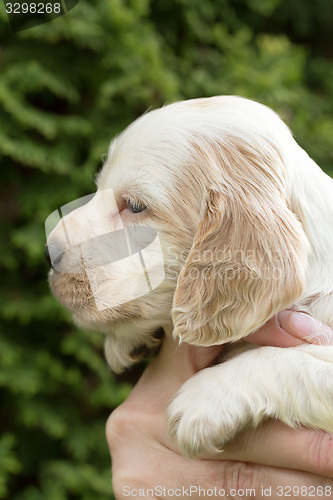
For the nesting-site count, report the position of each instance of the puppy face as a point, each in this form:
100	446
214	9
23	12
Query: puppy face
150	189
211	177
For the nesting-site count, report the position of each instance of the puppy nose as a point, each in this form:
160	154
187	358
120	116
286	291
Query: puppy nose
54	251
47	255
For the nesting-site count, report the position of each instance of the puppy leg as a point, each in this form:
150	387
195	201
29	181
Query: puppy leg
294	385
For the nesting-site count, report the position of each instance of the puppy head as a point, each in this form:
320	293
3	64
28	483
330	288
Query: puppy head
141	185
211	176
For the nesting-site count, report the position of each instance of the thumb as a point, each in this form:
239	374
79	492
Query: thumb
305	327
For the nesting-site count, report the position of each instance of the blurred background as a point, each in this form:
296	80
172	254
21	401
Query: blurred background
67	87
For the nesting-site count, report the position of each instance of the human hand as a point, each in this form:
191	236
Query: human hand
290	328
273	460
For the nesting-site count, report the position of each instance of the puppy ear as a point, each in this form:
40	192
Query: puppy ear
247	262
122	353
118	354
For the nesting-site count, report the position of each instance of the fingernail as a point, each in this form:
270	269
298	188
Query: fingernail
299	324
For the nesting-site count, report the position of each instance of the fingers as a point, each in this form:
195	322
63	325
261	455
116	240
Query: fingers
292	328
274	334
246	480
274	444
285	462
144	467
218	480
261	482
306	327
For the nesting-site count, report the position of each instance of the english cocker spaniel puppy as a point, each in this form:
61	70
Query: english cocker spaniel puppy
243	220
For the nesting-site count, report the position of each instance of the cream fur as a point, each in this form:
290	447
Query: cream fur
244	217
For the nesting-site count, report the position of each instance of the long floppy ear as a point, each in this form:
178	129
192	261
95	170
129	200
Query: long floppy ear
247	262
123	353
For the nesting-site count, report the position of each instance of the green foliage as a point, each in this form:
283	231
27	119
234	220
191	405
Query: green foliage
66	87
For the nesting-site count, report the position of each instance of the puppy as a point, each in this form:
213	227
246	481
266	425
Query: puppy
244	224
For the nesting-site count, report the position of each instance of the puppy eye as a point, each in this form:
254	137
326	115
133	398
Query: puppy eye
135	206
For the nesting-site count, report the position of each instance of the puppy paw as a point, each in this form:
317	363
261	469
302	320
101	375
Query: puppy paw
206	414
293	385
